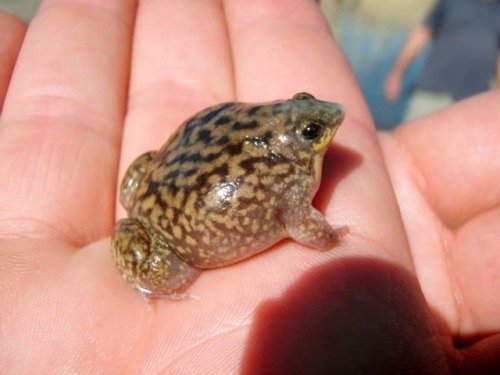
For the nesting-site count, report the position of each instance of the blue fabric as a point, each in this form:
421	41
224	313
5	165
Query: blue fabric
466	41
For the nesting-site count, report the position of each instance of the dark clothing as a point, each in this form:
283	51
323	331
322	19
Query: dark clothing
463	57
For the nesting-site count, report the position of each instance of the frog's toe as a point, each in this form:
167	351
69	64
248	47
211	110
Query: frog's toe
309	227
330	237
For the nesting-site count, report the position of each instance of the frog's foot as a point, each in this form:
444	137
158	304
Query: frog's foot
147	262
311	229
149	295
151	298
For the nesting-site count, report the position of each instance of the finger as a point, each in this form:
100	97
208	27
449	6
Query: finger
61	124
181	64
11	37
266	67
279	51
455	152
478	358
458	159
445	172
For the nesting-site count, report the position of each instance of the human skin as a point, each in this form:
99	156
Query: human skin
412	287
414	44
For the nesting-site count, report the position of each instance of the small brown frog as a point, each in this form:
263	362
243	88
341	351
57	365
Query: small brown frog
233	180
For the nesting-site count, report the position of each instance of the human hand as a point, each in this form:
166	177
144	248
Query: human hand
415	275
392	85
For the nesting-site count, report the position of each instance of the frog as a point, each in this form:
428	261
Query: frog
232	181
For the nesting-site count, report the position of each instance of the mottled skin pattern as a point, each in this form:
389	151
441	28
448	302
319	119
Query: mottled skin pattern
233	180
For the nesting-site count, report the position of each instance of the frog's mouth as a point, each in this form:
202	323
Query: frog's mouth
322	143
317	170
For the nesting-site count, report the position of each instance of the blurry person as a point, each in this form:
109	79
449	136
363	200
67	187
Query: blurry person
463	59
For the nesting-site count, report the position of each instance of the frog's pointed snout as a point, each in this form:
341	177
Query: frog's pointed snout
337	114
340	113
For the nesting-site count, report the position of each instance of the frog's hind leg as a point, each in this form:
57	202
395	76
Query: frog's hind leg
148	263
133	175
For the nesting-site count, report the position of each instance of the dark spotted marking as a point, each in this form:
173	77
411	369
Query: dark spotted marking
185	158
276	110
249	164
186	134
195	158
171	175
220	226
212	114
152	188
222	171
190	172
172	188
176	213
253	111
222	140
246	202
205	136
223	120
250	125
212	157
202	179
234	149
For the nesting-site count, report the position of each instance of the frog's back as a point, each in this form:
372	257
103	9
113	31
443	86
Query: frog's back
195	182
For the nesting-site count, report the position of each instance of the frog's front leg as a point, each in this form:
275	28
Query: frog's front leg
308	226
147	262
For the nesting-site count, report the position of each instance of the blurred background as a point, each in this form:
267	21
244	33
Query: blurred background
371	34
24	9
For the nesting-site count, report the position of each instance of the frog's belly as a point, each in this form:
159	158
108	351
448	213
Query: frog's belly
225	251
217	238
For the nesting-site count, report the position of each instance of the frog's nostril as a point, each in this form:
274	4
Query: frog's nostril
340	113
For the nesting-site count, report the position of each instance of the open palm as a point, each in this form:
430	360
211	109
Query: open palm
414	286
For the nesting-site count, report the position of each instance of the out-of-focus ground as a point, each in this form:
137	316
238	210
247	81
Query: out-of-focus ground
371	33
24	9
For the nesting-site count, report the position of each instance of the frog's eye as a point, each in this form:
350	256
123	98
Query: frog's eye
311	131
